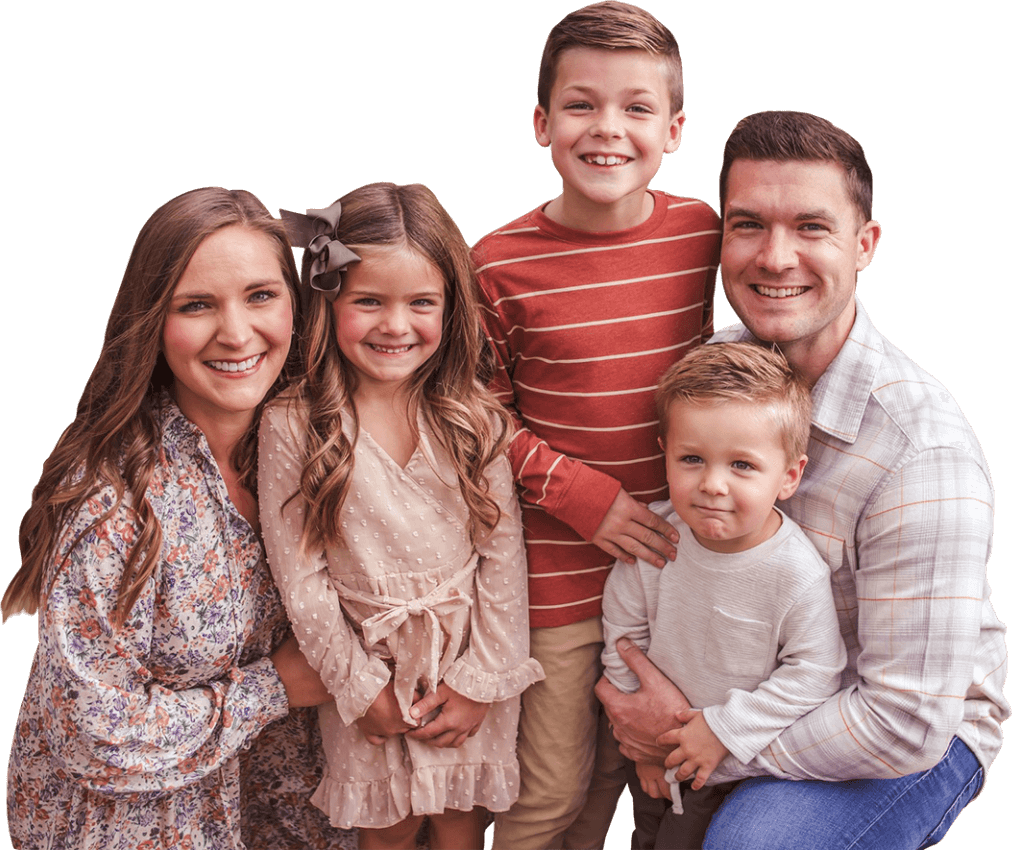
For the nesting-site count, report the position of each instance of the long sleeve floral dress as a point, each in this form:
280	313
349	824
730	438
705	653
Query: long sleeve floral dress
130	738
408	597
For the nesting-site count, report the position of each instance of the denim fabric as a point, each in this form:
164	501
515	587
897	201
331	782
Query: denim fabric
866	814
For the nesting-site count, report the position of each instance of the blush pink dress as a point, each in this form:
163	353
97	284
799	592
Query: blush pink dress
412	598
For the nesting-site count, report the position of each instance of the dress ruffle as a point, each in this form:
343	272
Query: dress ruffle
488	686
423	791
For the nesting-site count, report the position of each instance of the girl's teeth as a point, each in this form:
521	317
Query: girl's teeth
399	350
230	366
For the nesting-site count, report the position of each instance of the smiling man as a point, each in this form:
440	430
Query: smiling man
898	501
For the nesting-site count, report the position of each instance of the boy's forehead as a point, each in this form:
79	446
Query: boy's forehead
630	68
732	410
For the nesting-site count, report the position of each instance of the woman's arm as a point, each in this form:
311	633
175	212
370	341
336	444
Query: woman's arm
113	722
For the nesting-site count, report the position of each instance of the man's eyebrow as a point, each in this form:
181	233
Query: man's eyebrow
741	212
817	214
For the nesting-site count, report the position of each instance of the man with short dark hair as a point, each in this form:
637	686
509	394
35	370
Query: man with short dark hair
897	499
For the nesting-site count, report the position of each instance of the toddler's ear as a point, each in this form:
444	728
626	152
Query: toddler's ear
792	477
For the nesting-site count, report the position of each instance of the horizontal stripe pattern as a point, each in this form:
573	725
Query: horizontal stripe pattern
584	324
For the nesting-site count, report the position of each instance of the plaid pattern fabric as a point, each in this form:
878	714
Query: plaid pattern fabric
897	499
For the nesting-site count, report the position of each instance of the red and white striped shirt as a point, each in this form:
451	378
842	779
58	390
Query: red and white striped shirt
584	324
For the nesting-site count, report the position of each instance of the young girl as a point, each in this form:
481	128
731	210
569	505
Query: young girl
392	526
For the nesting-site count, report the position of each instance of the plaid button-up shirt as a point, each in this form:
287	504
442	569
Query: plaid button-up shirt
898	500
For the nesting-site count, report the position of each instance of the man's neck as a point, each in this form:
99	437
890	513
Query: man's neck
811	356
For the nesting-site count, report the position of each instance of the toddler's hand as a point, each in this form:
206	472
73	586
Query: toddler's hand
383	719
630	530
697	750
458	720
651	777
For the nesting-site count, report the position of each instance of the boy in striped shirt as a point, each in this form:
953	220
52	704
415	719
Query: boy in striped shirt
589	298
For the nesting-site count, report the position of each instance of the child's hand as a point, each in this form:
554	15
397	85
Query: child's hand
383	719
651	777
697	750
459	719
630	530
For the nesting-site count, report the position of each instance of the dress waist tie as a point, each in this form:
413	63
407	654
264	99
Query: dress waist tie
439	602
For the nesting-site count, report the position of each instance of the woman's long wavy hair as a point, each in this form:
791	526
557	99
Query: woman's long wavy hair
449	389
114	439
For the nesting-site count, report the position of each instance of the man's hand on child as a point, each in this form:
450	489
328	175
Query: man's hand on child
459	719
630	530
638	718
383	719
651	777
697	750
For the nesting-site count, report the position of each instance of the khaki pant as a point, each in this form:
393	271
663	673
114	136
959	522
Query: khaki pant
571	773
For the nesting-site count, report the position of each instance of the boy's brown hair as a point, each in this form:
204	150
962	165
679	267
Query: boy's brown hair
740	371
611	26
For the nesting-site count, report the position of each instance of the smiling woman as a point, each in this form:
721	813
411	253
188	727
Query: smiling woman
162	641
228	331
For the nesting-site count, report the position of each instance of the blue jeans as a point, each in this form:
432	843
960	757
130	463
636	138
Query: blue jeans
865	814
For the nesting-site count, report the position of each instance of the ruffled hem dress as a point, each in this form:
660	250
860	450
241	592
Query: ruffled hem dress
409	597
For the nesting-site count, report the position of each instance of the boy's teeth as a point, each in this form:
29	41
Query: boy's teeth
605	160
229	366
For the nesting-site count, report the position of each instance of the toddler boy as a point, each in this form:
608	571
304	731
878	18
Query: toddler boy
744	620
589	298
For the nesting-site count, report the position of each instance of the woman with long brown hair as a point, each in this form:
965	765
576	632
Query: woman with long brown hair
162	641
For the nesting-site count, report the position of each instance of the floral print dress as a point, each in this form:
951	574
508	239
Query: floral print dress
131	737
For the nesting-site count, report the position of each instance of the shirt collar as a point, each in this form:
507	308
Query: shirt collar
178	432
841	395
842	392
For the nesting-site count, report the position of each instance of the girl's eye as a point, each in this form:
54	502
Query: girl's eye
423	302
692	459
367	302
193	307
262	296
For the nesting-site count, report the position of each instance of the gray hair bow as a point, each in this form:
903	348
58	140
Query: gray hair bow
316	231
